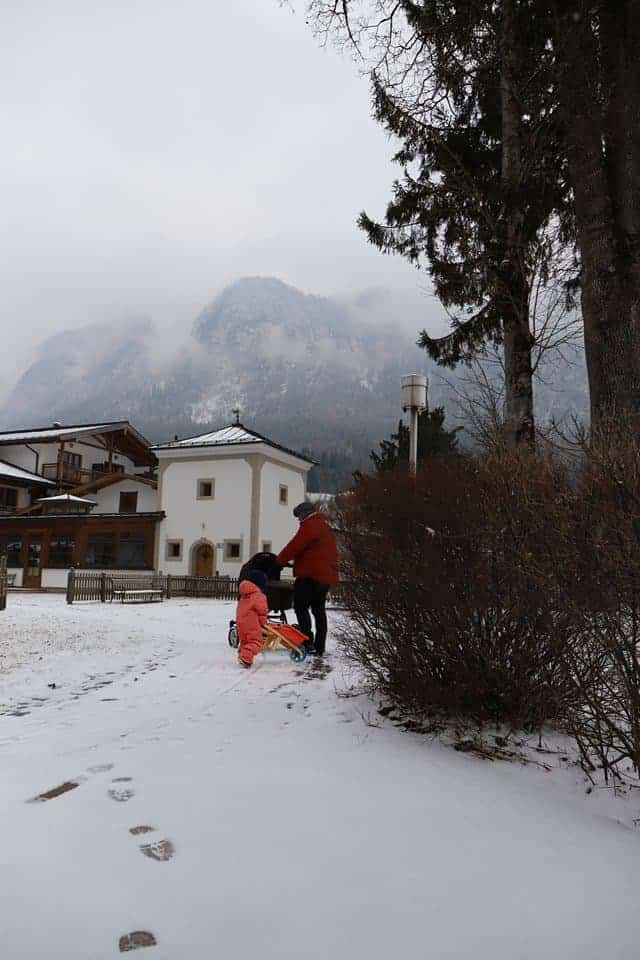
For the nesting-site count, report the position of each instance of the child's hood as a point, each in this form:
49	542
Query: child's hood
248	589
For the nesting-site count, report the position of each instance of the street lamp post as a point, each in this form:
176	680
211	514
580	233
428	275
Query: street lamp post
414	399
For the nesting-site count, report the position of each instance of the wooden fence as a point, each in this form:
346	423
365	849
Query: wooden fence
211	588
3	583
83	585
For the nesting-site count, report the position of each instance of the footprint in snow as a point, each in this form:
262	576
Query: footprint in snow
68	785
160	850
55	791
136	941
120	791
101	768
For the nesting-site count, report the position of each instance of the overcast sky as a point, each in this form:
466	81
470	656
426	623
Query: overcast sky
154	150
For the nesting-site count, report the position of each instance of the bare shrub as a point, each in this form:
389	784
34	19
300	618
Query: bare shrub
593	576
444	616
505	588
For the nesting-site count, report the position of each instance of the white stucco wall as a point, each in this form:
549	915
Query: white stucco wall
108	499
18	575
226	517
54	577
277	523
21	456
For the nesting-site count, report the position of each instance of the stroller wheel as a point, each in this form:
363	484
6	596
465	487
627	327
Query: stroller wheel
298	655
234	640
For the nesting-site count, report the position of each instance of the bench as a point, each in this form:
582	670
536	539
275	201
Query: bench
129	595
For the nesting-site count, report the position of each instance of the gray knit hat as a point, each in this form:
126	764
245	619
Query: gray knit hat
304	510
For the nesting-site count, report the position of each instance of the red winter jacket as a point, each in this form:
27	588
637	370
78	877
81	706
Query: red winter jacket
313	550
251	615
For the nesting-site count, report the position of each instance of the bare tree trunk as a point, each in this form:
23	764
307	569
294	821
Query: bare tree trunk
604	156
620	32
514	292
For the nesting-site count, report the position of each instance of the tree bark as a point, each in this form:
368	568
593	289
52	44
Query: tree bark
513	286
620	32
599	88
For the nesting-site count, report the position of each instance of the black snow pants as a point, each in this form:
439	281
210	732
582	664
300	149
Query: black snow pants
309	596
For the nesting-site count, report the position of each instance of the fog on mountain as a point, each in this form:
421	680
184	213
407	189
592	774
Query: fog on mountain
318	373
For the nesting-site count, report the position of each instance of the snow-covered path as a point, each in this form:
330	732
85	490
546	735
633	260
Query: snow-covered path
282	825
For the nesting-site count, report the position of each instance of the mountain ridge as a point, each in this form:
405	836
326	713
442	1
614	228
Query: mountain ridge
314	373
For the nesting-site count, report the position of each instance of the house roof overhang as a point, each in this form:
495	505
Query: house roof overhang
67	498
121	435
18	477
28	520
229	441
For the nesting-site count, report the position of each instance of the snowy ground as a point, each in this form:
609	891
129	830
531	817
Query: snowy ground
283	826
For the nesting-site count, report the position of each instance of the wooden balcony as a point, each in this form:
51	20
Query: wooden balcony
69	475
75	476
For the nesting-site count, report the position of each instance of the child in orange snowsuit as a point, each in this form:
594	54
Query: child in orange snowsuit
251	615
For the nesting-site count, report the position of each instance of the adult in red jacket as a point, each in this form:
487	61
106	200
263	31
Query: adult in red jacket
315	566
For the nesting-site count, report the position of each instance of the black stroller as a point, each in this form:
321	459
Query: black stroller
279	592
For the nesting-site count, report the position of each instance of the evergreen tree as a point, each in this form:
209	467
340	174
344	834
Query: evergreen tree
433	439
464	87
475	198
570	125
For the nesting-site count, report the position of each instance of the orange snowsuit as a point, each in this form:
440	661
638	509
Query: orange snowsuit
251	615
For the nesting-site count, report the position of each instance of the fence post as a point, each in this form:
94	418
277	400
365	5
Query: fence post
103	587
71	585
168	588
3	583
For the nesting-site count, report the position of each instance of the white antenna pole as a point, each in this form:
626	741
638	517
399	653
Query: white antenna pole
413	440
414	399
